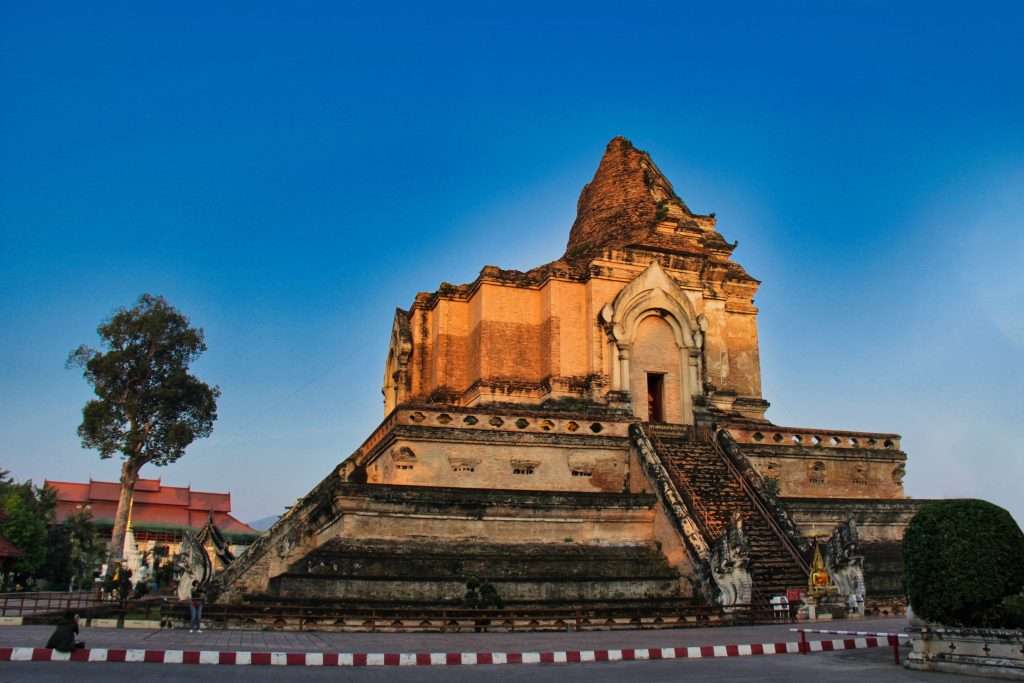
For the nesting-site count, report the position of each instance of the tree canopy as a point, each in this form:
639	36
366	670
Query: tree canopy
25	512
148	407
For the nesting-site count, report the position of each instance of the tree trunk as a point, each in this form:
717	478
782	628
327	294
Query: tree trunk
129	475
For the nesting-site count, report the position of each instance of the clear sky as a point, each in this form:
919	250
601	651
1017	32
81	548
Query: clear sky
287	173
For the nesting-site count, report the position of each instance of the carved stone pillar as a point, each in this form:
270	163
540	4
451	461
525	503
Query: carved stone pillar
624	377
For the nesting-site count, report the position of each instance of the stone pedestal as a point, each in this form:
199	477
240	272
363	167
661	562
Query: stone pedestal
993	653
823	608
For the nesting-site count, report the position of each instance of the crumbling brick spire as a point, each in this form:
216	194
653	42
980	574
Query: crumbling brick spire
623	203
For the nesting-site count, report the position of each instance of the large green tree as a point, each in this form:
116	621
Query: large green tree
148	408
73	551
25	513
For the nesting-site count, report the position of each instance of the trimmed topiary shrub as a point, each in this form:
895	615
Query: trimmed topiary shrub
961	559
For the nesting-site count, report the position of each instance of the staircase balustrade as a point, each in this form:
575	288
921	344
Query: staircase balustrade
711	527
759	504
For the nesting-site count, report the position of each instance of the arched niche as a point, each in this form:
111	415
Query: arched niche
669	343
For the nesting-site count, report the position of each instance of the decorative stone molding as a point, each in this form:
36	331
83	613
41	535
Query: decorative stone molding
773	435
489	423
898	473
581	463
403	454
523	466
463	464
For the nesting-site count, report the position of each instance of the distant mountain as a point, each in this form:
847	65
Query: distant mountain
264	523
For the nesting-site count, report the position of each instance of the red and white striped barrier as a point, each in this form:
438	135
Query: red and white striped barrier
807	646
877	634
29	654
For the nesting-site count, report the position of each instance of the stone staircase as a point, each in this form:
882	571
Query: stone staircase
700	472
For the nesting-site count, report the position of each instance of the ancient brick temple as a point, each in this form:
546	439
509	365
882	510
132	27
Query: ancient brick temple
591	431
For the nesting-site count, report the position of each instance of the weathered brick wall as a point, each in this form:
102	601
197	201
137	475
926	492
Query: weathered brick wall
532	335
620	195
523	336
500	448
508	465
744	376
806	472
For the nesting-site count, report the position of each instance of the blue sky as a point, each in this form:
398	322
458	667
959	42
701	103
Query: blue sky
288	173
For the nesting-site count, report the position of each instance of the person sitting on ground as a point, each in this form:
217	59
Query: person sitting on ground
63	638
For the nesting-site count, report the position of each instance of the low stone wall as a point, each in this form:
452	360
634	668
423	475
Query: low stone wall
808	470
992	653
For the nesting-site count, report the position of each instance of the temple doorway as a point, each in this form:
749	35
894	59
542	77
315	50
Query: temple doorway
656	380
655	396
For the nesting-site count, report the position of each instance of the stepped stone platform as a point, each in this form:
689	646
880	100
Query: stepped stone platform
427	572
404	545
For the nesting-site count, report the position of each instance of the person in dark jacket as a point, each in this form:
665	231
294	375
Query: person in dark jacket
196	608
64	637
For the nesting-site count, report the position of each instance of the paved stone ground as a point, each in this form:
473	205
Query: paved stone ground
859	666
311	641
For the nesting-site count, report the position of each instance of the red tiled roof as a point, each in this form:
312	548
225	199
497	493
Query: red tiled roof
147	485
8	549
154	505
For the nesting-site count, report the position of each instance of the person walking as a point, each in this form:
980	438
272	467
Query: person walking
196	608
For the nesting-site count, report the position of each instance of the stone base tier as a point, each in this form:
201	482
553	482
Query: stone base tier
421	543
436	573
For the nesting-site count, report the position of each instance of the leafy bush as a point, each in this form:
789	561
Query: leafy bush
662	212
962	559
1011	612
25	512
481	593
